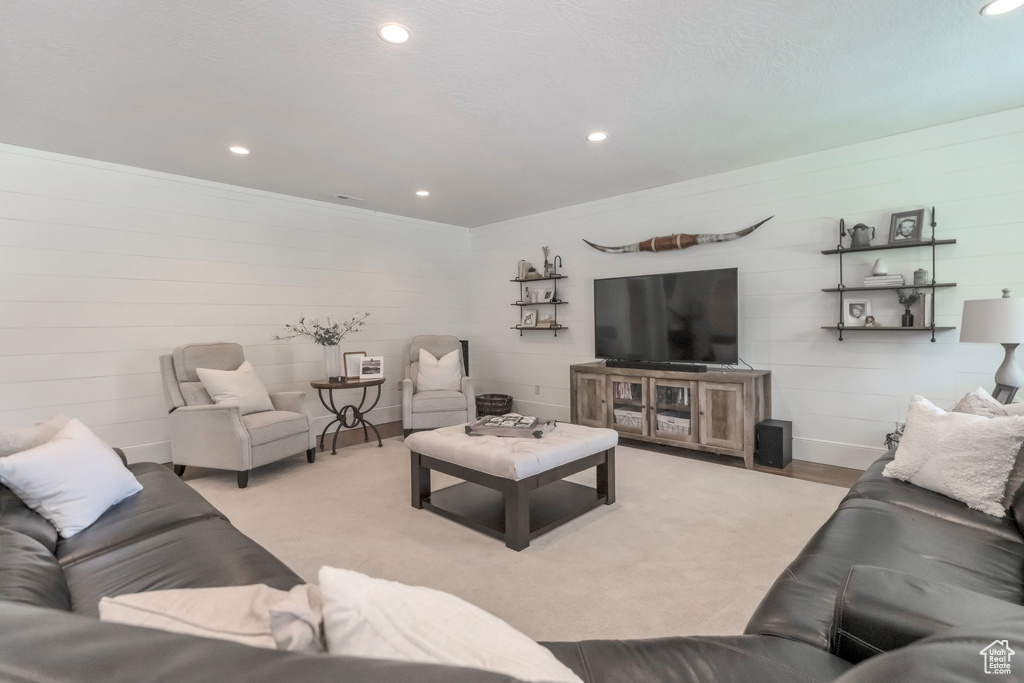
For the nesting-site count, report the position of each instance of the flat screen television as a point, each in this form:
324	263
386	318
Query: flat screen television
670	317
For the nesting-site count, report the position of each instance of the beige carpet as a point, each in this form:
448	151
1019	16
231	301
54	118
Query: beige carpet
688	548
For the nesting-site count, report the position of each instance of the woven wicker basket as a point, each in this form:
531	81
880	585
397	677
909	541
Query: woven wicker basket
493	404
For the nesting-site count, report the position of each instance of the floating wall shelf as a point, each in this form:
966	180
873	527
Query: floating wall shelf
842	289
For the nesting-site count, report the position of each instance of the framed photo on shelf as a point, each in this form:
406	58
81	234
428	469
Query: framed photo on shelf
371	367
856	312
352	361
906	227
529	317
546	296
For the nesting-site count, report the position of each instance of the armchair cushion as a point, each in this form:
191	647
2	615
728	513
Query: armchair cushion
216	356
241	387
439	374
438	401
272	425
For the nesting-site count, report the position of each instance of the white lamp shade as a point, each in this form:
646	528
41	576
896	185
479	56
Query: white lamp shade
993	321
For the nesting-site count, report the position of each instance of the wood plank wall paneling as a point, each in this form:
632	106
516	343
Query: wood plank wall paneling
104	267
841	397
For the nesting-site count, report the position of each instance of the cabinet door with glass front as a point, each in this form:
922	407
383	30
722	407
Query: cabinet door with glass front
628	399
672	409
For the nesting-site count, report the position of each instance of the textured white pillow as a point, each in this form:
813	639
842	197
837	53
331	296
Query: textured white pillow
241	387
980	402
444	374
367	617
70	480
965	457
21	439
256	615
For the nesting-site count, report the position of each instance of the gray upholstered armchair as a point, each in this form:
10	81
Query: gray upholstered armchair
205	434
433	409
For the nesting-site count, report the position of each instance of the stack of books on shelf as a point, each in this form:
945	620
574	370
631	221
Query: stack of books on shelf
884	281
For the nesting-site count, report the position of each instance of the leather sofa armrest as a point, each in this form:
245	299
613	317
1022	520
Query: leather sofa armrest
120	454
878	610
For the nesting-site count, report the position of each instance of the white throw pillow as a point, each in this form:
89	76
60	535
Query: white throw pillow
17	440
256	615
241	387
965	457
367	617
980	402
444	374
70	480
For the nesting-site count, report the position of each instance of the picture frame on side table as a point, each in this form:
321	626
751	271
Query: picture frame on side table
352	364
1004	393
529	317
856	312
906	227
371	367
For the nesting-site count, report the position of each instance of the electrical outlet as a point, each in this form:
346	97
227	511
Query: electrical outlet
536	390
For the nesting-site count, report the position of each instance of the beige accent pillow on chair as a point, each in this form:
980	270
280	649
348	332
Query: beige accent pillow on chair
980	402
241	387
439	374
256	615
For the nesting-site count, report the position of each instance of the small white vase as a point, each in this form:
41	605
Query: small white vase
880	268
333	363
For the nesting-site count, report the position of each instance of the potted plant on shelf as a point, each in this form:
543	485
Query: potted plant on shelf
907	299
328	335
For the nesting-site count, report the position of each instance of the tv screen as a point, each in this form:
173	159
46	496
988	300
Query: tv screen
686	317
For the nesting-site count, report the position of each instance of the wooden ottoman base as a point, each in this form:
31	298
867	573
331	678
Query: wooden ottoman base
515	511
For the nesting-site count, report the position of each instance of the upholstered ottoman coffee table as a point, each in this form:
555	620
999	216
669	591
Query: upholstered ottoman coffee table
513	488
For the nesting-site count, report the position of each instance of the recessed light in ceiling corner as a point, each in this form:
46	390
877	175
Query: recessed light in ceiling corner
598	136
396	34
348	197
422	193
239	150
997	7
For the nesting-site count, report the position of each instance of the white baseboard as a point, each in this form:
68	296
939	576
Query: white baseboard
160	451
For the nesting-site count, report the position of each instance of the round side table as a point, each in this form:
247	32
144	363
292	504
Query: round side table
348	416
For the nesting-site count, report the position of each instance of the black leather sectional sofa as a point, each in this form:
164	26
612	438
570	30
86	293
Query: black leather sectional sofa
900	584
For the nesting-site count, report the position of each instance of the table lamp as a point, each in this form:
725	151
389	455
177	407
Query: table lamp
997	321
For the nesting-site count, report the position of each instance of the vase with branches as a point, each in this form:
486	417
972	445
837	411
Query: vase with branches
907	299
327	334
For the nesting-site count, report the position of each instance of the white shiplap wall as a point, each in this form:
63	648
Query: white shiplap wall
104	267
841	397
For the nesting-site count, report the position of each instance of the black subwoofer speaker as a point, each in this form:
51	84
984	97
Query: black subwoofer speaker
773	443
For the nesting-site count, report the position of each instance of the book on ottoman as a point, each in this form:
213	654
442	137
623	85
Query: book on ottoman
510	425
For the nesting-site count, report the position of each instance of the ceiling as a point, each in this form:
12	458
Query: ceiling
488	104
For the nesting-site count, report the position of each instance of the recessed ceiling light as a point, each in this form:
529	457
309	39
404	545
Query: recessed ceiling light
422	193
598	136
1000	7
393	33
239	150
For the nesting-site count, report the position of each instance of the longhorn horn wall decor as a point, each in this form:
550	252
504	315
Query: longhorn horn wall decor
679	241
